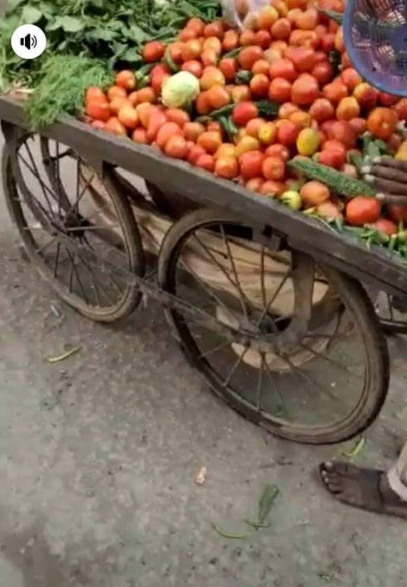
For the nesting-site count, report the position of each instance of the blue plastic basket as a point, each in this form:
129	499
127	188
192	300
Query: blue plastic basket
375	36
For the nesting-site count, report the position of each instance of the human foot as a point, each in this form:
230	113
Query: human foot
367	489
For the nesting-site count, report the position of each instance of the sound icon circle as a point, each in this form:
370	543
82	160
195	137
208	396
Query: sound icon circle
28	41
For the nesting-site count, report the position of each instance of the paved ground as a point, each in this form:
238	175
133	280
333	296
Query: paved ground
98	457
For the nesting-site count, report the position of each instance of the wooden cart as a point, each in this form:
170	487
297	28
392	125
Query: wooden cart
266	304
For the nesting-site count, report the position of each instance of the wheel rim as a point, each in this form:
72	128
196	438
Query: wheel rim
82	246
392	313
309	391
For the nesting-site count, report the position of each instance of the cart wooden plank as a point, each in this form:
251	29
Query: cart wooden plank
308	235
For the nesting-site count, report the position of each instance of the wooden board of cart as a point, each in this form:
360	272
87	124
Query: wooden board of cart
307	235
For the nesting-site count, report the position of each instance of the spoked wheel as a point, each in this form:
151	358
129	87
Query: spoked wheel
292	346
75	226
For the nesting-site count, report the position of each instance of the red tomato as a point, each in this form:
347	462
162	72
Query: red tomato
332	157
243	112
214	29
128	117
322	110
217	97
280	90
230	41
251	164
362	210
153	51
287	133
191	50
350	78
193	130
178	116
206	162
283	68
194	153
255	184
140	136
98	110
398	213
386	226
194	66
272	188
249	55
401	109
303	58
305	90
278	150
387	100
228	68
98	124
156	121
262	39
210	141
343	132
273	168
166	131
114	126
323	73
95	94
382	122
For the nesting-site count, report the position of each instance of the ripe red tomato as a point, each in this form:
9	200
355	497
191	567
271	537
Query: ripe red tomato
251	164
194	153
273	168
226	167
153	51
228	68
176	147
249	55
283	68
398	213
386	226
114	126
280	90
116	92
259	85
305	90
95	94
362	210
287	133
126	79
243	112
206	162
194	66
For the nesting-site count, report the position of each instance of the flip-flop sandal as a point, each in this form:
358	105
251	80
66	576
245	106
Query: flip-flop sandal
360	488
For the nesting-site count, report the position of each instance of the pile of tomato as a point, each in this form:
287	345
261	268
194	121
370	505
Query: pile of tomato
293	55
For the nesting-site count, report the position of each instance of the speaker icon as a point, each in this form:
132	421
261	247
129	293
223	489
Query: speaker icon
29	41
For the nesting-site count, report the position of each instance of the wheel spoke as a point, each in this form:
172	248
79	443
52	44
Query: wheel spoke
329	360
36	174
57	260
76	272
273	299
235	366
233	267
259	394
310	380
280	401
218	347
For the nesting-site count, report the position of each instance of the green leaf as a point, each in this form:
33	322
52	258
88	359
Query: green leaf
71	24
31	15
137	34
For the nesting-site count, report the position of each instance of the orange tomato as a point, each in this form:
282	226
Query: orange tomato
191	50
94	94
278	150
259	85
226	167
272	188
359	125
283	68
335	91
247	144
146	95
254	184
214	126
274	168
253	126
193	130
305	90
286	110
266	17
314	193
206	162
261	66
280	6
126	79
350	78
187	34
212	44
176	147
202	104
209	58
165	132
98	110
322	110
197	25
116	92
241	94
178	116
98	124
281	29
114	126
228	68
194	66
175	51
144	111
307	20
210	141
303	58
347	109
156	120
301	119
251	164
127	115
140	136
226	150
247	38
217	97
343	132
304	38
212	77
382	122
280	90
230	41
214	29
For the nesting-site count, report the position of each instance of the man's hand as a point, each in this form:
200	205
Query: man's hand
390	178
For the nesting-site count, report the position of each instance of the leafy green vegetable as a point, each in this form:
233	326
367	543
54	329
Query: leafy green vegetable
61	90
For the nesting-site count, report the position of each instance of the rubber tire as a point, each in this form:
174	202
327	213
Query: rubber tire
363	313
